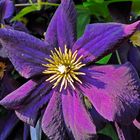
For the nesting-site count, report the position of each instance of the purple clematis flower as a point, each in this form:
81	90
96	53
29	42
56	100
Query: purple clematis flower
127	52
7	10
8	120
62	74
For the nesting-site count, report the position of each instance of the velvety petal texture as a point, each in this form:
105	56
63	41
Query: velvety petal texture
62	28
28	101
26	52
102	38
6	9
17	97
32	107
113	91
52	122
77	118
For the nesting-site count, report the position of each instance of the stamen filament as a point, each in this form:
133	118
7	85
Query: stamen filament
63	68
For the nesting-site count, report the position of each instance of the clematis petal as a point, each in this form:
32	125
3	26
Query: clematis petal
6	9
102	38
15	99
31	108
127	132
62	28
26	52
52	121
98	120
28	100
113	91
26	133
134	57
123	51
136	123
9	9
7	123
77	118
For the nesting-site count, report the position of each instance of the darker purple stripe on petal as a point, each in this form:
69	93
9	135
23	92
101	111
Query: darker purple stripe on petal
77	118
26	52
17	97
62	28
102	38
31	108
30	113
53	122
113	91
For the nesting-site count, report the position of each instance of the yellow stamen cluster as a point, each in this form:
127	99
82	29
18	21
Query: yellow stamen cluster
135	38
2	69
63	68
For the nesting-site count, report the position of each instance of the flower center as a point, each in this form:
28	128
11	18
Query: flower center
135	38
2	69
63	68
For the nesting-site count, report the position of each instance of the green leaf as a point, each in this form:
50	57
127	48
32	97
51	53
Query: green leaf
136	7
109	131
105	59
82	20
98	1
25	11
97	9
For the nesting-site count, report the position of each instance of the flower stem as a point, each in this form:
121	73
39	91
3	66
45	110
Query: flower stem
118	57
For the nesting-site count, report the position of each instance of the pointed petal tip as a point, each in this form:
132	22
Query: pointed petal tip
3	103
25	120
136	123
131	28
